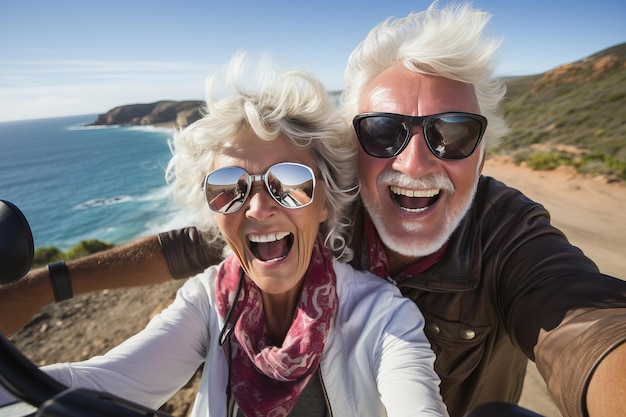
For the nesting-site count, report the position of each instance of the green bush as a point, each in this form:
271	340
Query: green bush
589	164
547	161
86	247
46	255
49	254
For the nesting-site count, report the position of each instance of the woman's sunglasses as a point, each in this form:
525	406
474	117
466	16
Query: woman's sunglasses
448	135
290	184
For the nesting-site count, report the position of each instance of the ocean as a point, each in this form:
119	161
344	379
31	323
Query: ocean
75	182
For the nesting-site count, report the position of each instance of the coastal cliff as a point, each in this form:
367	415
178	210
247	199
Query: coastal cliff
161	113
165	113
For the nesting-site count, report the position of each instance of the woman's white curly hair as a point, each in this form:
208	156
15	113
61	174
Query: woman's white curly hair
293	104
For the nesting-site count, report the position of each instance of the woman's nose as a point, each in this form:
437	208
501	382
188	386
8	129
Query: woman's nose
260	202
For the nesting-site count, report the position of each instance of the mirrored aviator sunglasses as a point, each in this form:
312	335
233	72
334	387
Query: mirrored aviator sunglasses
449	136
290	184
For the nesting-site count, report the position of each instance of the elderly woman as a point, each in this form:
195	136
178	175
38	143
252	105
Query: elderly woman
283	328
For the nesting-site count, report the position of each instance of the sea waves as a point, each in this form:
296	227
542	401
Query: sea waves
104	202
75	182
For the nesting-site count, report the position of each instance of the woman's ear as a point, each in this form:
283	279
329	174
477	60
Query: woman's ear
324	214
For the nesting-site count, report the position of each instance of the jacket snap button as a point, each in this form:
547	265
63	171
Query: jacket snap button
434	328
467	334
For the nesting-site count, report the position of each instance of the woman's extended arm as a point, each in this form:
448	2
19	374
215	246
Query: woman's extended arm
134	264
155	259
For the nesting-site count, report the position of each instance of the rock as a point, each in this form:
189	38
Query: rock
160	113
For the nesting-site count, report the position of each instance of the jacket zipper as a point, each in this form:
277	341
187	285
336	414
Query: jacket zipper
230	407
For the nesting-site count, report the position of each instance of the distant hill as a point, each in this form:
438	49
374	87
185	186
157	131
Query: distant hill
580	104
161	113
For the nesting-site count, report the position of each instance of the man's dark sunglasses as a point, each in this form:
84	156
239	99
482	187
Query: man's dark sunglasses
448	135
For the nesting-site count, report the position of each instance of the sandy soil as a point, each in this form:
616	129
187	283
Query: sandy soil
590	211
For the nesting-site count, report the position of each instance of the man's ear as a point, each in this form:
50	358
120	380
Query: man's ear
482	161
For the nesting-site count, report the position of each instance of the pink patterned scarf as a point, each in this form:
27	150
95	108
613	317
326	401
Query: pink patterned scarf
267	380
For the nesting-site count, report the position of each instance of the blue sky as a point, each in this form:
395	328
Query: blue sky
67	57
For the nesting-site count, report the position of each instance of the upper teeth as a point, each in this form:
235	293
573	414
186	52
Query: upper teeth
268	238
431	192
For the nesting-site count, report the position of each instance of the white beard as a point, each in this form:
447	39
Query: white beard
417	248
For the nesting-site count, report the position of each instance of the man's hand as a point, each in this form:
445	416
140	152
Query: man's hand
606	395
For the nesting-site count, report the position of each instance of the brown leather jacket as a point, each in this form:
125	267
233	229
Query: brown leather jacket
509	288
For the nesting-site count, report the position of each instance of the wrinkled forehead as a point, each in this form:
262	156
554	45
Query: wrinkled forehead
255	154
400	90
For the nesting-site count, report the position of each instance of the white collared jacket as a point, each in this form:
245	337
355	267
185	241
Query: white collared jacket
376	361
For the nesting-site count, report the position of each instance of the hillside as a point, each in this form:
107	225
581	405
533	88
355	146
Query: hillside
580	104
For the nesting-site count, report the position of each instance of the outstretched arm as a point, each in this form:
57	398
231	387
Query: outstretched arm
170	255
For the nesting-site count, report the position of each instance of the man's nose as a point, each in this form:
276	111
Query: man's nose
416	159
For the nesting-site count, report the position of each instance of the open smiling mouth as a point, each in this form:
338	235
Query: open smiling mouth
271	247
414	201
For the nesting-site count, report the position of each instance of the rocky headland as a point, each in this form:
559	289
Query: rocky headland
167	113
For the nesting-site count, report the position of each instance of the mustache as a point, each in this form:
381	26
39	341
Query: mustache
401	180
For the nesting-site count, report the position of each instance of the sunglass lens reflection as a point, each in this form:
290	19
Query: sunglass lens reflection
453	137
226	189
291	185
382	136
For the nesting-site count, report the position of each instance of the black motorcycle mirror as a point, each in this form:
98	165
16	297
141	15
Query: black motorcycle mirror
18	374
16	243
